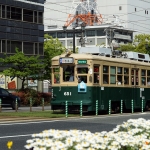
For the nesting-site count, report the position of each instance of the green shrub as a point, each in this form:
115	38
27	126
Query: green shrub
26	94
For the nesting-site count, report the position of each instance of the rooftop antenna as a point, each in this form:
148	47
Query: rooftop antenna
84	11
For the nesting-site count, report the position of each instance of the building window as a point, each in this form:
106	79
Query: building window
8	46
0	11
35	16
35	48
147	12
135	9
53	34
14	45
120	7
16	13
8	12
40	17
40	48
28	48
3	11
3	46
69	35
100	32
90	33
27	15
60	35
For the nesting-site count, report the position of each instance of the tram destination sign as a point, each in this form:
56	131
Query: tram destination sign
82	61
66	60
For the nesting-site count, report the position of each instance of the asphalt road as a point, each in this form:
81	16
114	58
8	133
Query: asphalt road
20	131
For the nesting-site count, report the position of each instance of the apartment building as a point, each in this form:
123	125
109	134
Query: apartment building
21	25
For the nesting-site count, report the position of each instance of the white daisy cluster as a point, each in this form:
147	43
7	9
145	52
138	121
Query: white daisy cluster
131	135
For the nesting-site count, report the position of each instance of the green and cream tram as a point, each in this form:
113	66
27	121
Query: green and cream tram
87	78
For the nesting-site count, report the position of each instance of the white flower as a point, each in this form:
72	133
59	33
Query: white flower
85	144
78	147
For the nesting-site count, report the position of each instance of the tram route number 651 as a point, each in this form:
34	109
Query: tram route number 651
67	93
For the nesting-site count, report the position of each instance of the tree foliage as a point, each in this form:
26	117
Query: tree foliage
21	66
52	47
140	44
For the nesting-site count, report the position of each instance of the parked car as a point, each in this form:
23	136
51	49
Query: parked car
7	99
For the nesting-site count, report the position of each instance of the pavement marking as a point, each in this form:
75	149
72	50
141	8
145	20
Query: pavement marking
9	123
18	123
13	136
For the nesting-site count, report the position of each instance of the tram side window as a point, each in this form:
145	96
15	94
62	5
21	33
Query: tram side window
137	77
112	75
56	75
143	77
105	74
134	77
68	73
81	77
126	76
119	75
148	77
96	74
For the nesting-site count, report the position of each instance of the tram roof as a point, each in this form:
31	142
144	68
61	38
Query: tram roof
102	58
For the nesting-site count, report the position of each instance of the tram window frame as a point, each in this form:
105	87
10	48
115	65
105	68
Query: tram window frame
69	71
105	74
82	72
143	77
56	75
113	75
119	79
148	77
96	74
134	77
126	76
82	78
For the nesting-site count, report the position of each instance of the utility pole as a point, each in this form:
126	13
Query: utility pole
82	40
109	37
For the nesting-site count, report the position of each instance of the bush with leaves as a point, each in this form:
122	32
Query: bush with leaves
26	94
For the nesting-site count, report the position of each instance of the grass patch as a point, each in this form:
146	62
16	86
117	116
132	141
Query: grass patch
41	114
